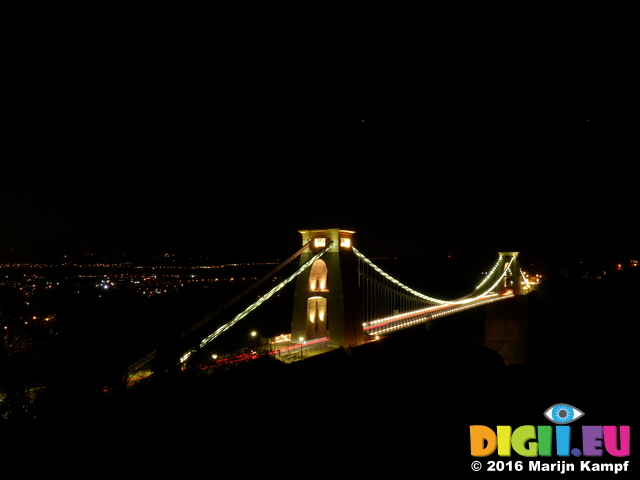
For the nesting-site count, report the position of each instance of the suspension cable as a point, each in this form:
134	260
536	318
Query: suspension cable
426	297
256	304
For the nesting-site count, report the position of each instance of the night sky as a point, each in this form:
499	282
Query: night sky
229	137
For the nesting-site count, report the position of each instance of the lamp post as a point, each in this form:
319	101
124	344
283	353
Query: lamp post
253	342
301	344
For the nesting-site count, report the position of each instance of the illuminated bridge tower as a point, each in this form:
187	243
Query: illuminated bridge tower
507	323
512	280
327	300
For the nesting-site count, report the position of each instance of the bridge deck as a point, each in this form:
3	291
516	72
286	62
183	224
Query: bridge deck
409	319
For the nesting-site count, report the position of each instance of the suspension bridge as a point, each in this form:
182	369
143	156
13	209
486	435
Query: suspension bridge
344	299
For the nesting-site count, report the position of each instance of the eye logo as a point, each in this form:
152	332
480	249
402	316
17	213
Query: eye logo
563	413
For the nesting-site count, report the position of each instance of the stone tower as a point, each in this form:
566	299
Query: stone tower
327	301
